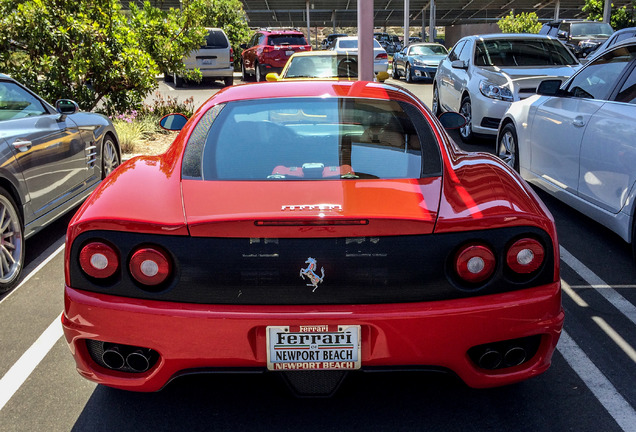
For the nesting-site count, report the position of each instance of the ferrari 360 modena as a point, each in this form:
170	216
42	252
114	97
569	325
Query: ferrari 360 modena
311	230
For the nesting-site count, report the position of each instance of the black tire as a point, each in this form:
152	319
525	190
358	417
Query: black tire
466	132
110	156
395	73
12	248
244	76
257	73
178	81
407	74
436	108
228	81
508	146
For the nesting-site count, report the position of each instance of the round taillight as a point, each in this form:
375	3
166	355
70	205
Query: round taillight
525	256
98	260
150	266
475	263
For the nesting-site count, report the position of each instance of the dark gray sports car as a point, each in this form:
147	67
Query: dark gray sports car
50	160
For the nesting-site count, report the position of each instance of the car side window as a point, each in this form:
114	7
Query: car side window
454	54
16	102
466	54
623	36
627	94
598	79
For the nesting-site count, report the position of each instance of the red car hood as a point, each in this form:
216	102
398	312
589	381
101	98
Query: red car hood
311	208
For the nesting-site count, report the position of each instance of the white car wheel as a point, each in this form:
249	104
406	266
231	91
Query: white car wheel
507	147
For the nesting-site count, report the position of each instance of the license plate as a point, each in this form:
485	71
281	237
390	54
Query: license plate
312	347
289	52
207	61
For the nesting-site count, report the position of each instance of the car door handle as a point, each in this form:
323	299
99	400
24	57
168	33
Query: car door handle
22	145
578	122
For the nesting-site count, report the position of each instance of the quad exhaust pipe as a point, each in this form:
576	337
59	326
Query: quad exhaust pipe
496	359
505	353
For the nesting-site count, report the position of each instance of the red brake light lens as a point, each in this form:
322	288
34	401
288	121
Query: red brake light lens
231	55
98	260
150	266
525	256
475	263
381	56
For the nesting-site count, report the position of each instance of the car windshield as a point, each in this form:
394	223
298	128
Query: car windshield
428	50
316	139
522	52
322	66
293	39
590	29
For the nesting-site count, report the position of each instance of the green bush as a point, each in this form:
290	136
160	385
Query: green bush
521	23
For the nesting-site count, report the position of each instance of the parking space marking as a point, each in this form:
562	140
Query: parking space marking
610	294
573	295
620	410
20	371
49	256
616	337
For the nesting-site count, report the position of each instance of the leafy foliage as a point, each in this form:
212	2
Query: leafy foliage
520	23
94	53
620	18
230	16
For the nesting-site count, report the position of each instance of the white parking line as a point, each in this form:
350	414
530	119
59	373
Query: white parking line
20	371
599	385
610	294
49	256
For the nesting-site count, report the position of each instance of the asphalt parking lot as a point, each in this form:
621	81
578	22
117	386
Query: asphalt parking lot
590	386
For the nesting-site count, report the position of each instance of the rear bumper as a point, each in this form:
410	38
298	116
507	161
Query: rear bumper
197	337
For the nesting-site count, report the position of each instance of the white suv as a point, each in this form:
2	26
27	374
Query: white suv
483	75
215	59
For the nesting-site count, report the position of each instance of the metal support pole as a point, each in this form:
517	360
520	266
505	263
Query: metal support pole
431	25
407	30
557	6
607	11
365	40
308	24
423	25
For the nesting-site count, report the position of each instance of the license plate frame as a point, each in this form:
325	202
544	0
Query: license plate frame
313	347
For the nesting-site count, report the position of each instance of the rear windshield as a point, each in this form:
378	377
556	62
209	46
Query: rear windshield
522	52
286	40
215	39
590	29
353	43
314	139
326	66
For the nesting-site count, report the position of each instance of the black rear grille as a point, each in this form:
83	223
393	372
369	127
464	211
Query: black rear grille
390	269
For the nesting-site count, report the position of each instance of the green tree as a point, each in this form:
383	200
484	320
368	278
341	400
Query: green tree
521	23
168	35
230	16
88	51
620	18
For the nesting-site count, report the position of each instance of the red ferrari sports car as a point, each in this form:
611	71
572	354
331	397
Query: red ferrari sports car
311	229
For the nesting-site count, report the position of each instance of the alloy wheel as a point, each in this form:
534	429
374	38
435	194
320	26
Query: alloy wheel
507	149
466	131
110	157
11	248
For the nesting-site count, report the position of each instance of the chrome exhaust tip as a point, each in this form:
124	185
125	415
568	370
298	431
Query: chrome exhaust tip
490	359
112	358
515	356
138	361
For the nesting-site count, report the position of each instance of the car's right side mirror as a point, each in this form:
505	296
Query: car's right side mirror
549	88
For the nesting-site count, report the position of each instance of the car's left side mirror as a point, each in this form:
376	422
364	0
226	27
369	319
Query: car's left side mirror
382	76
272	76
66	106
173	122
549	88
452	120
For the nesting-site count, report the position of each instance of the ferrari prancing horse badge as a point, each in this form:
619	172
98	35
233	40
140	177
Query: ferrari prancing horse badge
310	272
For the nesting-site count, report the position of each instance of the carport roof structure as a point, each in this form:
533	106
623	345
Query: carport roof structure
343	13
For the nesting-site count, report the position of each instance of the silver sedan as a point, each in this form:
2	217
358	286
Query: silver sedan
576	141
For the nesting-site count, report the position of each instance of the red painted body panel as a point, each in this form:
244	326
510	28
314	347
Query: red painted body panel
390	206
475	192
211	336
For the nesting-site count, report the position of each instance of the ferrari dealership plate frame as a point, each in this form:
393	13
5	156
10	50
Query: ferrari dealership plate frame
313	347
